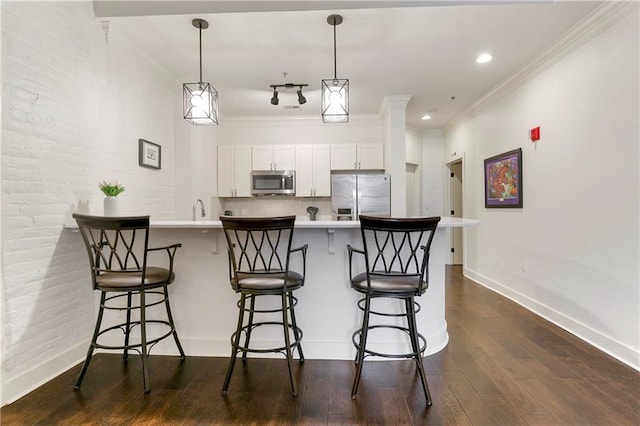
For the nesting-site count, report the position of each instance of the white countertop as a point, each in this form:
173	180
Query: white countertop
445	222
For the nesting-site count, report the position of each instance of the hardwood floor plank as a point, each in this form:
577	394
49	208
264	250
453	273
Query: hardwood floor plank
315	403
394	407
545	405
481	382
340	404
446	408
471	402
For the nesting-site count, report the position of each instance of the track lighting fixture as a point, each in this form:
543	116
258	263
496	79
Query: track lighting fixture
301	98
200	100
335	92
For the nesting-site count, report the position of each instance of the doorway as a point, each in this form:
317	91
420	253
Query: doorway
413	198
455	205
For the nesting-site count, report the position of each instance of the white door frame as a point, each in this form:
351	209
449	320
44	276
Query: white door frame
457	157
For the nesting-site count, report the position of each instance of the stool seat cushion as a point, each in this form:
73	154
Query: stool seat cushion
392	284
131	279
265	281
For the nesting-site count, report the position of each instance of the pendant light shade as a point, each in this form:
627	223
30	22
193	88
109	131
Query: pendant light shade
335	101
335	91
200	100
200	103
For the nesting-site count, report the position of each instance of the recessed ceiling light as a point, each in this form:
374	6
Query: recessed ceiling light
484	58
426	117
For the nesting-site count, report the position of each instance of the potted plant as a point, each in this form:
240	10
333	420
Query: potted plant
111	190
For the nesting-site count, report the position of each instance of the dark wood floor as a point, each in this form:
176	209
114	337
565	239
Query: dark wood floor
503	366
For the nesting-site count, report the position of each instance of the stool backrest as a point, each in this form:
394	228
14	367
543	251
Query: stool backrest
258	245
398	246
115	243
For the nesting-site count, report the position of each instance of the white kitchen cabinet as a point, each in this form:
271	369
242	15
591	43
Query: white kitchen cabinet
234	171
357	156
313	171
273	157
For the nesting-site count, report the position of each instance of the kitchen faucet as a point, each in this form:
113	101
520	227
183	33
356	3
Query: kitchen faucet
201	208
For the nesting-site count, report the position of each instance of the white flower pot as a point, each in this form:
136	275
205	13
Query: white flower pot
111	206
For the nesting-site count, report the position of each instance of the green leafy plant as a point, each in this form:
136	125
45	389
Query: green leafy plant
111	189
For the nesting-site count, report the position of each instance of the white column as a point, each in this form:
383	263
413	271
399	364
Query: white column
394	113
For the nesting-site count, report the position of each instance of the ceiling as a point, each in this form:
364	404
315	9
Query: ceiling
425	49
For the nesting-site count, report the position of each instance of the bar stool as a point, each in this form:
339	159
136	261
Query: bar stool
259	252
396	259
117	248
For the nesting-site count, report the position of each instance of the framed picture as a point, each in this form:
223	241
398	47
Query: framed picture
503	180
149	154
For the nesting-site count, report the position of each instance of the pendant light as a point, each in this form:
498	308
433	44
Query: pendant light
200	100
335	92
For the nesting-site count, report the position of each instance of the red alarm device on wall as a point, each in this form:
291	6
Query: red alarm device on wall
534	134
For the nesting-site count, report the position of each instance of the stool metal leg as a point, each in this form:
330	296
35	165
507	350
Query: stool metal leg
173	327
252	309
143	342
127	329
415	344
363	342
94	340
295	326
235	343
287	342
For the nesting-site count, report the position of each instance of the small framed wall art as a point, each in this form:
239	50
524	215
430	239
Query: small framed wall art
149	154
503	180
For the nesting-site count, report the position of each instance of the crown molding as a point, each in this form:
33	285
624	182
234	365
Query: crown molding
299	120
605	16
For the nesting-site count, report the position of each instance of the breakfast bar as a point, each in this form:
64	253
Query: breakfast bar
204	305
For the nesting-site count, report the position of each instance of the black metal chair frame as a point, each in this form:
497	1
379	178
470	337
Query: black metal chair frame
117	248
254	246
393	269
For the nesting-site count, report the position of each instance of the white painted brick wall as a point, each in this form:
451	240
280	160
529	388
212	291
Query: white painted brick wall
73	110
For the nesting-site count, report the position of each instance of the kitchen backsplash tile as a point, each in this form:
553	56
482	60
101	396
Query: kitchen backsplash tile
277	206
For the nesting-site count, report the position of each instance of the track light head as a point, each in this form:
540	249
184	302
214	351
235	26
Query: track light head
301	98
274	98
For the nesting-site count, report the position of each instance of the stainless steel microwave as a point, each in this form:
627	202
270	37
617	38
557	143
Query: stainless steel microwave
264	182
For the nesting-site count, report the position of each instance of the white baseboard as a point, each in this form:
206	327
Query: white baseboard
618	350
20	385
312	349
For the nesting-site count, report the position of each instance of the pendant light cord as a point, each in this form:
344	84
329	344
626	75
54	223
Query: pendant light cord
335	60
200	30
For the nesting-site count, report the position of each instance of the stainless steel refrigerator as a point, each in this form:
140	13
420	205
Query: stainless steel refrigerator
352	195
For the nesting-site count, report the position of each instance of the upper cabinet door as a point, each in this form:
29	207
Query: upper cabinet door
284	157
242	171
344	157
226	184
262	157
371	156
322	171
304	171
